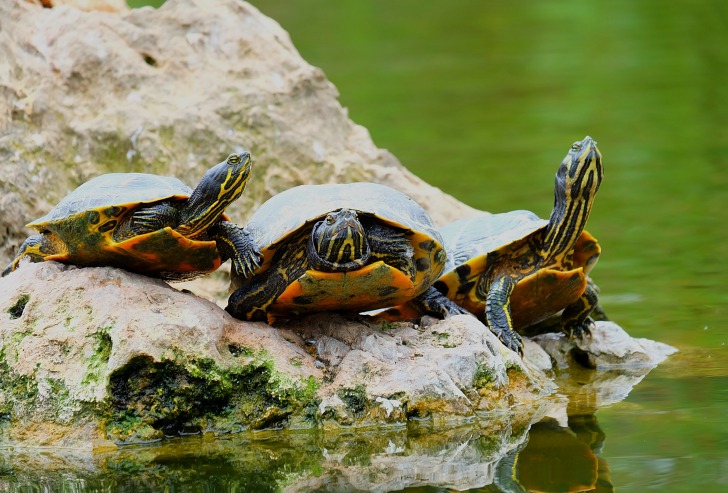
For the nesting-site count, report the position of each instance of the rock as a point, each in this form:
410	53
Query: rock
171	91
119	6
91	357
536	355
84	346
608	347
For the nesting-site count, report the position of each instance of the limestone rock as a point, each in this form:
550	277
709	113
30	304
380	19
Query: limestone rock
170	91
86	346
90	357
608	347
102	5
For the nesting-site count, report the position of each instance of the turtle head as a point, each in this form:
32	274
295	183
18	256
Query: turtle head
221	186
577	182
580	173
338	243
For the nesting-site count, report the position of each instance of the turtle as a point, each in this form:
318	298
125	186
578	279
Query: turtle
557	458
350	247
514	269
150	224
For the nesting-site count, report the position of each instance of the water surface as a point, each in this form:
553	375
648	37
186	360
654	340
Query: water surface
483	99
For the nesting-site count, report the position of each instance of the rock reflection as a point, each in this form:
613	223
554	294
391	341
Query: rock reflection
557	450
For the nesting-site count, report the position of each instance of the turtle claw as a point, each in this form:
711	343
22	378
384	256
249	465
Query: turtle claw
457	310
511	340
247	262
436	304
580	330
515	344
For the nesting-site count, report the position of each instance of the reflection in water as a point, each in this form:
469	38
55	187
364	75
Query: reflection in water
548	457
558	452
558	459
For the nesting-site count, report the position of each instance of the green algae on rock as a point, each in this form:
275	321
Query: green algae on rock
101	356
92	360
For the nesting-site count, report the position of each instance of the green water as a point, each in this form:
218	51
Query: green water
483	99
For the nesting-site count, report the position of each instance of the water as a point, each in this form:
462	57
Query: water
483	100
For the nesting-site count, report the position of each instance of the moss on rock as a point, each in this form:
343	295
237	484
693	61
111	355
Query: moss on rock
355	400
16	311
172	397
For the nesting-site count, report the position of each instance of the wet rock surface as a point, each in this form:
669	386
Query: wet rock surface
93	357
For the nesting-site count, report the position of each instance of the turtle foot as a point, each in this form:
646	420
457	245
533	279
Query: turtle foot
436	304
247	262
580	330
235	243
511	340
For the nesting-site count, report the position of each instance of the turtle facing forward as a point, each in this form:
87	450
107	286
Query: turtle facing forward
350	247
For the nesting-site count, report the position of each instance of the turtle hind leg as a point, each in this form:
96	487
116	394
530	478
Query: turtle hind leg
432	302
38	248
253	297
576	319
235	243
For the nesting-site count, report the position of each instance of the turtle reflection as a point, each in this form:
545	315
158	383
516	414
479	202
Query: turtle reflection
558	458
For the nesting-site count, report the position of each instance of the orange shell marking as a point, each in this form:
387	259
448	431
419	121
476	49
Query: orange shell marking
374	286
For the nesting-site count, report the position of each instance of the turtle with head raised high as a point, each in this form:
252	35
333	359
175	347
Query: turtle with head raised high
346	247
515	269
146	223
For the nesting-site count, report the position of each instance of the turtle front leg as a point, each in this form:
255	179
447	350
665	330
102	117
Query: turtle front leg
432	302
36	248
498	312
576	319
391	246
251	300
235	243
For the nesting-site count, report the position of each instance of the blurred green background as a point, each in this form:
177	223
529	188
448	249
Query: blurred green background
483	99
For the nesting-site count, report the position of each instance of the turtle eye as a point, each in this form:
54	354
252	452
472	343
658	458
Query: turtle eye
233	159
576	146
329	219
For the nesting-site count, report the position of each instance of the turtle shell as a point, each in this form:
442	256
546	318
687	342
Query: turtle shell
476	244
375	285
86	219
